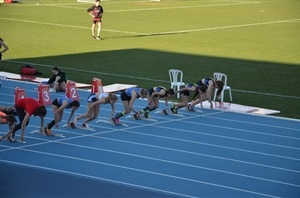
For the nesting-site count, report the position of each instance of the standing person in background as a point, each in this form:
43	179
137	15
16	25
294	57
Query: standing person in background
2	44
96	11
58	81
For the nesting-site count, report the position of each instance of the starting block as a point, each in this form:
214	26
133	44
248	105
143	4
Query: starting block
43	95
167	112
110	122
73	126
5	137
71	91
97	86
20	141
43	133
19	94
141	118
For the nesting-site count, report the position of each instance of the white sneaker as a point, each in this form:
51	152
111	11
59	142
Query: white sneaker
191	107
52	90
85	125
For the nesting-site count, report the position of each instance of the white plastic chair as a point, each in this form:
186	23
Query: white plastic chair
176	80
223	78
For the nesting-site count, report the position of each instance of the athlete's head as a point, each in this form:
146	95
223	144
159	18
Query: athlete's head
219	85
55	70
112	98
10	119
143	93
202	89
75	104
41	111
170	92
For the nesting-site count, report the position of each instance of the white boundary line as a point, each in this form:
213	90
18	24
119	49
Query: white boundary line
93	177
202	154
230	138
135	169
180	164
69	5
159	33
185	7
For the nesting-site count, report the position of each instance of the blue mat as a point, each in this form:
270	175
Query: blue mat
201	154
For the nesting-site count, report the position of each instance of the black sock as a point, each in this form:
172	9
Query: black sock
51	124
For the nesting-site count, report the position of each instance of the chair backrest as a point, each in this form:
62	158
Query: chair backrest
221	76
176	76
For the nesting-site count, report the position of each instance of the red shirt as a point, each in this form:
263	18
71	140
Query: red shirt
3	120
28	104
97	11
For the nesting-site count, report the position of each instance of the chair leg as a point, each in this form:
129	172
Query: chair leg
215	95
230	95
222	96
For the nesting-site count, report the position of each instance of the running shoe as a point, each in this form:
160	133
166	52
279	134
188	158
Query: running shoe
191	107
85	125
147	115
10	138
137	116
72	125
47	131
116	121
173	109
165	112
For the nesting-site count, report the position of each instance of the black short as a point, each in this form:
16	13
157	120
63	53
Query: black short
21	114
185	93
125	97
55	102
96	21
150	91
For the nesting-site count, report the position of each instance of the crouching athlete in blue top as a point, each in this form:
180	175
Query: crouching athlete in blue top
58	106
128	97
155	94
